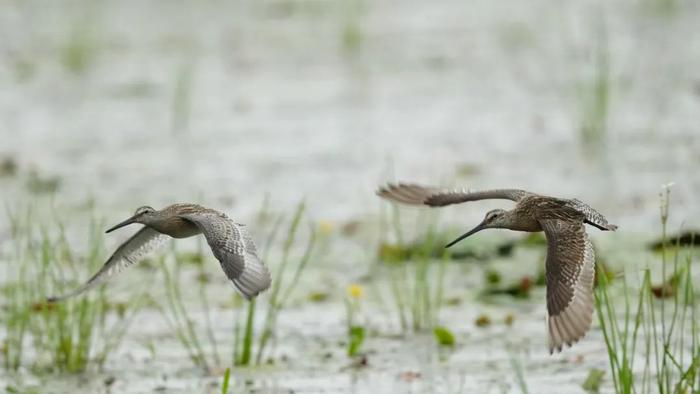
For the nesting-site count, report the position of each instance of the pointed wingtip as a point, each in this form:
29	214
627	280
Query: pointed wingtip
381	191
556	348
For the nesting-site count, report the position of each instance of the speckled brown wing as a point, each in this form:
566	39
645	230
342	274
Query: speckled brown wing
130	252
570	209
414	194
570	270
593	217
235	250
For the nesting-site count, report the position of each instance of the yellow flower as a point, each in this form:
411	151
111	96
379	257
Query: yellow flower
325	227
355	291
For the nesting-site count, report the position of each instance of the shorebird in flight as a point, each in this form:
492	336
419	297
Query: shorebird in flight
570	263
229	241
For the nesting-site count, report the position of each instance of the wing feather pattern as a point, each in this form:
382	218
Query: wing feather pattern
130	252
414	194
570	270
593	217
233	246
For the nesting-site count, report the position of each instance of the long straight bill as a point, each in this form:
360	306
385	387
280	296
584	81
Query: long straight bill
122	224
476	229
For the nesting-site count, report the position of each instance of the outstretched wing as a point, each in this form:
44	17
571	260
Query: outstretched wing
570	270
435	197
233	246
130	252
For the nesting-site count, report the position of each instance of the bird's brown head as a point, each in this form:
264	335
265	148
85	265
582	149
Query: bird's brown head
144	210
141	215
497	218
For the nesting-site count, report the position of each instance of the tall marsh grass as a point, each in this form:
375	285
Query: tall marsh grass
416	270
250	343
283	285
654	344
67	336
180	320
594	94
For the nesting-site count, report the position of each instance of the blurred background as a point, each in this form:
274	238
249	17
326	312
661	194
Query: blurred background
219	102
250	107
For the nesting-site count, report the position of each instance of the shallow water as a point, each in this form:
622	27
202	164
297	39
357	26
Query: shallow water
469	94
309	349
225	103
